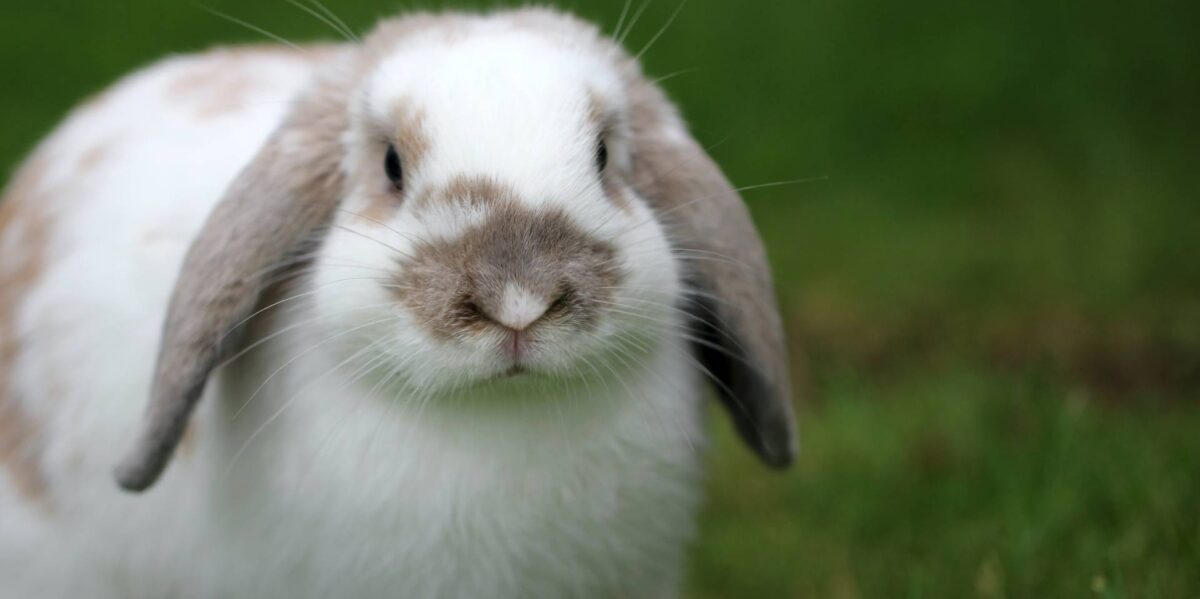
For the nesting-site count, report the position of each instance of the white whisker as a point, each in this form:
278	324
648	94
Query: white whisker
350	37
661	31
304	353
633	22
251	27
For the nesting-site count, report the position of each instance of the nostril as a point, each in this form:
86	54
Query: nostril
469	310
562	302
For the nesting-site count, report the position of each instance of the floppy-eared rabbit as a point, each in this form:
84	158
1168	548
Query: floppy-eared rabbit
440	308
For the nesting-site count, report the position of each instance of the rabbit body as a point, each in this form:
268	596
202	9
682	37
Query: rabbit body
294	478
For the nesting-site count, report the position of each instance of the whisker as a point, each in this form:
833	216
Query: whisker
369	238
259	342
384	225
288	299
304	353
388	406
633	23
717	382
371	364
661	31
694	201
300	393
620	355
332	15
689	295
689	318
695	255
324	19
621	20
679	73
251	27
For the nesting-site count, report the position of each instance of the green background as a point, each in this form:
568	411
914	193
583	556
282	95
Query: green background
991	284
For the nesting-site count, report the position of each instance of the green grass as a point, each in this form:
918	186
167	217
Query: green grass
993	290
955	483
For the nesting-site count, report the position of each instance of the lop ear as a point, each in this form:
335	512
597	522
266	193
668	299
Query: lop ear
270	210
736	322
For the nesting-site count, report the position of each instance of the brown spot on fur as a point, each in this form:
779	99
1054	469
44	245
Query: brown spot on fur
24	229
476	191
216	89
450	285
94	156
223	80
466	192
192	82
161	235
410	138
228	96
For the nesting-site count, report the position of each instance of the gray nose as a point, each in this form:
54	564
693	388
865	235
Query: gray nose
517	268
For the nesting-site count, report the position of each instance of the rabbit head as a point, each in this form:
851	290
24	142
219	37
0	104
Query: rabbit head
477	199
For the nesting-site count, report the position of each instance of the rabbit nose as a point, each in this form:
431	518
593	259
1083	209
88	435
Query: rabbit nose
516	308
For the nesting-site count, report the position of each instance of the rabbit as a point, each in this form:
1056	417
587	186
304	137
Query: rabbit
430	314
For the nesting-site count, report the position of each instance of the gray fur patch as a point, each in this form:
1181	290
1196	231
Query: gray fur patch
453	285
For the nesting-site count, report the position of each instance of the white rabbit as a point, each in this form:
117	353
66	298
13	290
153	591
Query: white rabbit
439	309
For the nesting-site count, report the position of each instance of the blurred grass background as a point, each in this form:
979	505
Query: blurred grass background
993	292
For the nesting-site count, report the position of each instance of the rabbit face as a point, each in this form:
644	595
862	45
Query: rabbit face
489	229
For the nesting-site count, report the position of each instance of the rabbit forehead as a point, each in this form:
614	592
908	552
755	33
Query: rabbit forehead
511	103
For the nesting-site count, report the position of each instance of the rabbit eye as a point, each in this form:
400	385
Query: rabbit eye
391	164
602	156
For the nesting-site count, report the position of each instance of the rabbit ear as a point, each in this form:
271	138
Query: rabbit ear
736	323
271	209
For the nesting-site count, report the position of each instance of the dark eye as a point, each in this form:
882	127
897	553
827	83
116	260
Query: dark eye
602	156
391	164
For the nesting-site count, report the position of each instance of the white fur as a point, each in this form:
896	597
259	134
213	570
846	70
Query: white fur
305	480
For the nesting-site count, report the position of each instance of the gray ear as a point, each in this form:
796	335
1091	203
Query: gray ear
274	206
735	317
